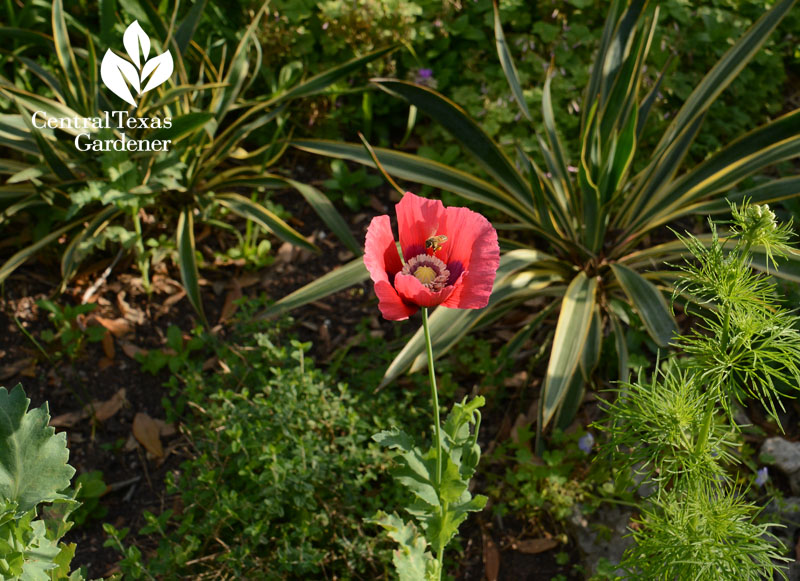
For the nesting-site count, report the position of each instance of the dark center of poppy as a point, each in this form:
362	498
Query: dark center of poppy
429	270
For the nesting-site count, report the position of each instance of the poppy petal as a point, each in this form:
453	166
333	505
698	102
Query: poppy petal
380	250
417	220
390	304
411	290
474	249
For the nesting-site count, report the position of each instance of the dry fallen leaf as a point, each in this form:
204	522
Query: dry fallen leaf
230	306
491	558
103	410
105	363
108	345
533	546
146	431
131	350
118	327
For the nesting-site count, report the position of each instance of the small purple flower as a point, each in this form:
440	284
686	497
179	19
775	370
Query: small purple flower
762	476
586	443
425	77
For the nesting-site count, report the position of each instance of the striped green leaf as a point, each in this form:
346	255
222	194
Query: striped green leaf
461	126
187	261
648	302
326	210
352	273
572	329
250	210
507	63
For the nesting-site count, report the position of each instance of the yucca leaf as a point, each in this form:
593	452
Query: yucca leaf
51	158
644	200
507	63
71	257
32	103
66	56
577	389
599	67
726	69
237	69
20	257
559	167
621	342
326	210
771	143
187	261
182	125
323	80
250	210
648	302
461	126
423	171
766	193
568	344
343	277
187	27
453	324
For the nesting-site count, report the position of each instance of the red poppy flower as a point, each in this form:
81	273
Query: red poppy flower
450	257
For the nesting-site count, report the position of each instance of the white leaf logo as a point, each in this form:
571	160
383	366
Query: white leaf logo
117	73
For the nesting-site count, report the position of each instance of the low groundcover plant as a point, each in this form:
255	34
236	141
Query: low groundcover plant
449	257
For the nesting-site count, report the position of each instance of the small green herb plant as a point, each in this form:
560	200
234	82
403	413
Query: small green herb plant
69	332
34	512
283	472
680	429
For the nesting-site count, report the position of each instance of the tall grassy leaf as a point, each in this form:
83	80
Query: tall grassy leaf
187	262
649	303
250	210
507	62
568	344
352	273
456	121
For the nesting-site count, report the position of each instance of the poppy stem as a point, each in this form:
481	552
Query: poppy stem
434	399
437	431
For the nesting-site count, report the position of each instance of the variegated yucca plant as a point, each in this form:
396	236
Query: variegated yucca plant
582	227
224	142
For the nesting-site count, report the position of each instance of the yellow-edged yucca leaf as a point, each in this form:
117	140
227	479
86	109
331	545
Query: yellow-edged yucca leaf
323	80
726	69
66	57
182	125
648	302
352	273
582	376
251	210
187	261
572	329
51	157
461	126
320	203
20	257
71	258
507	63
